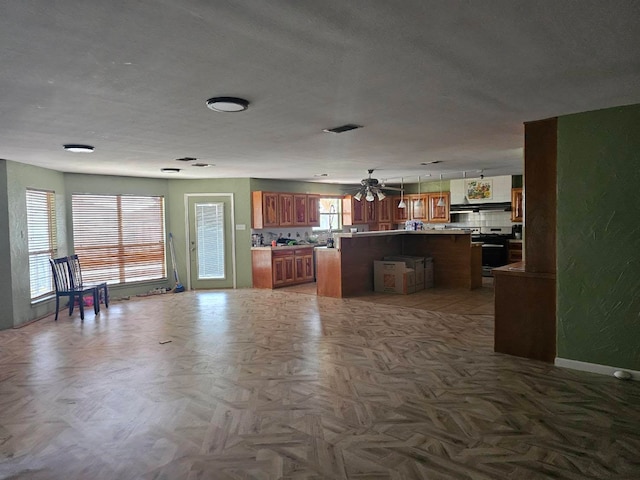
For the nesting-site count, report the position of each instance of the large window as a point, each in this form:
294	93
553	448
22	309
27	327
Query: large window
43	242
330	214
119	238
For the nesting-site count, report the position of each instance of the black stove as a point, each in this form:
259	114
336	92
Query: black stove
495	252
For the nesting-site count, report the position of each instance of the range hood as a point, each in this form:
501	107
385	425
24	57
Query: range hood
481	207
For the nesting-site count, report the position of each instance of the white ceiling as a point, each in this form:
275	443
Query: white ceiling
428	80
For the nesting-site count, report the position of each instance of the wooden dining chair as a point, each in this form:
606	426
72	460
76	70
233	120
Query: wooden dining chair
76	277
65	287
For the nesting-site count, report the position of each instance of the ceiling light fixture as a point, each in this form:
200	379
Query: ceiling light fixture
170	170
321	175
419	201
465	200
77	148
227	104
203	165
431	163
342	128
440	200
186	159
402	204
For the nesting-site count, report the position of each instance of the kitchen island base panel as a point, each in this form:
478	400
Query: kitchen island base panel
525	305
348	270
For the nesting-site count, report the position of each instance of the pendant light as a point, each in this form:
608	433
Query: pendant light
402	204
419	202
465	200
441	200
369	197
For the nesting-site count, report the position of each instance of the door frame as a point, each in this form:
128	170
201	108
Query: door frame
232	219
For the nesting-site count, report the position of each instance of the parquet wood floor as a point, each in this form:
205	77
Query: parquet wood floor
260	384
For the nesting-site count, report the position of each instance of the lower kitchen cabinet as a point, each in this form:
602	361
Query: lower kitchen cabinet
281	266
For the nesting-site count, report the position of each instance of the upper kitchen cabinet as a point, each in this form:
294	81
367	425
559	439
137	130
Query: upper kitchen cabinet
272	209
265	209
439	204
517	206
419	207
400	214
313	210
300	204
384	210
353	211
285	210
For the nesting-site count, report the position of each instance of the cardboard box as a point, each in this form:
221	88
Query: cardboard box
393	277
419	265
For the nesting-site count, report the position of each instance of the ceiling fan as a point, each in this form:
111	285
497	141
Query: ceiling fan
370	187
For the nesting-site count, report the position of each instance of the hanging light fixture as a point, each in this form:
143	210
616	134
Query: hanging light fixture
441	200
419	202
369	197
465	200
358	196
381	195
402	204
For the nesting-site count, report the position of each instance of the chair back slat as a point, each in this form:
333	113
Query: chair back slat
61	275
75	270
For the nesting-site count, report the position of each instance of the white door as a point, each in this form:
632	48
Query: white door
211	240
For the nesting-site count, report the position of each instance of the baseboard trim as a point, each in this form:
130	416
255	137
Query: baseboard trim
594	367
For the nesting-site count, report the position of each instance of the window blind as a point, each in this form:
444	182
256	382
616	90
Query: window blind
210	236
42	240
119	238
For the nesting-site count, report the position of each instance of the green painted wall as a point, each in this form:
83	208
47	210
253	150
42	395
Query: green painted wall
598	275
6	297
267	185
19	178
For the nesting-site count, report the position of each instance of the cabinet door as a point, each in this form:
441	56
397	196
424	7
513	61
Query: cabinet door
400	215
300	210
371	211
353	211
299	264
439	213
517	206
289	269
419	206
286	209
265	209
385	226
384	210
313	210
278	271
308	267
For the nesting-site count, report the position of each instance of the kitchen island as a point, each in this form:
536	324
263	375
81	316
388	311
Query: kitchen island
347	269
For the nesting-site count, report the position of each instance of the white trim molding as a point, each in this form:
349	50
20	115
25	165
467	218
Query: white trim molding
594	367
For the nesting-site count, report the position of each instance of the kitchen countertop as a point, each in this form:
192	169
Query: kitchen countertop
284	247
447	231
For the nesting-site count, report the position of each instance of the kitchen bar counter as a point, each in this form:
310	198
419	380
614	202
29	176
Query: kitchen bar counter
347	270
525	305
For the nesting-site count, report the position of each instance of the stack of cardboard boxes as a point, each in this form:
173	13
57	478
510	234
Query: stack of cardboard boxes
403	274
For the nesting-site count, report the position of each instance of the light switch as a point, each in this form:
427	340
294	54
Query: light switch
241	226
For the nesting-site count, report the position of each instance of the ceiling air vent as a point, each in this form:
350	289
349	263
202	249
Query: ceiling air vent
186	159
343	128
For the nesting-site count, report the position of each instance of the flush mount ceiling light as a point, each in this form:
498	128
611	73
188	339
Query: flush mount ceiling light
203	165
431	163
342	128
78	148
186	159
170	170
227	104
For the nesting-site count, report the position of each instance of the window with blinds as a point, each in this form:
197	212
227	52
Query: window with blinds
42	239
210	237
119	238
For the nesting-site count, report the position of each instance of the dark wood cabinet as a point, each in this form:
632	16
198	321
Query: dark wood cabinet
281	266
398	214
265	206
300	210
384	210
517	207
285	210
313	210
439	213
353	211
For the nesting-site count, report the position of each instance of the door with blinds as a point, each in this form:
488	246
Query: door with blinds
211	242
